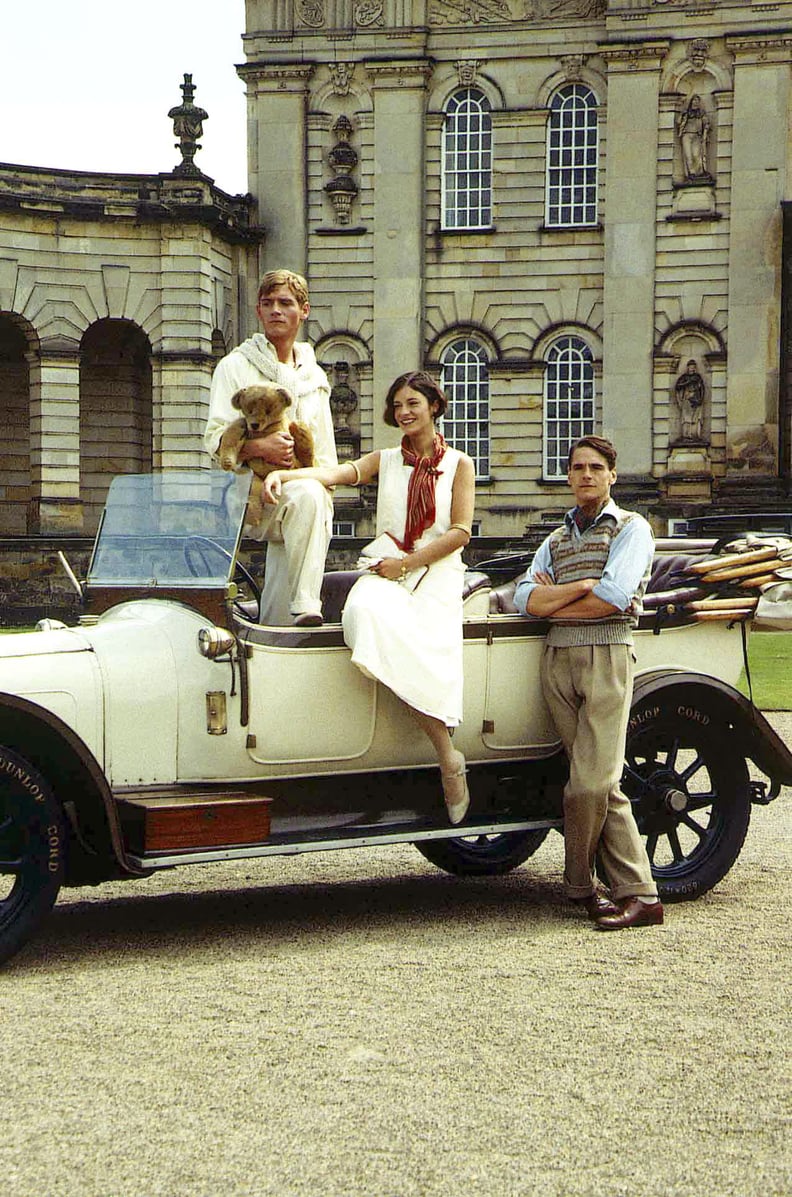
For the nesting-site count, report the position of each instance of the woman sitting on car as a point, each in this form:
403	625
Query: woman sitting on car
403	619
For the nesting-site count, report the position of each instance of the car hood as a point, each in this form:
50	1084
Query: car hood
37	644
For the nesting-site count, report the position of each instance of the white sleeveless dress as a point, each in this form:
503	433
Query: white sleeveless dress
412	641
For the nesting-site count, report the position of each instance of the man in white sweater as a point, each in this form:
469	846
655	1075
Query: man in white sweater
299	526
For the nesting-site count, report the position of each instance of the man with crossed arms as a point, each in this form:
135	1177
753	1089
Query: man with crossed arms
587	579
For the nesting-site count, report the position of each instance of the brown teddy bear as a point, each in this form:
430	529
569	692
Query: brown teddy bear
263	411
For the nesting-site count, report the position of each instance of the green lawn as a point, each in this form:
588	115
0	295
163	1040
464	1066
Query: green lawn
770	658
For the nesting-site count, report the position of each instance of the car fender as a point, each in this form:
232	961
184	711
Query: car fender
96	850
710	700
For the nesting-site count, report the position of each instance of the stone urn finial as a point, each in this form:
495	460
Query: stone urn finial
188	127
342	159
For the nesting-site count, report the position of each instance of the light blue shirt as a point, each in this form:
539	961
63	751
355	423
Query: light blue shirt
629	558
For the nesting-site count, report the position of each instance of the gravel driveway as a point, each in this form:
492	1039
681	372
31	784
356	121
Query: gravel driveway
360	1023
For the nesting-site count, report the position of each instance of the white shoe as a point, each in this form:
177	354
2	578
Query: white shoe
455	791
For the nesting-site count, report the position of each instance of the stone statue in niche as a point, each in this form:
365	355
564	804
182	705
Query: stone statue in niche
693	129
689	393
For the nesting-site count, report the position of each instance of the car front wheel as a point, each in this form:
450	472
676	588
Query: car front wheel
32	850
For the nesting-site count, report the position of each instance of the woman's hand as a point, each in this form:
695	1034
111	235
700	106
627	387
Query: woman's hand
273	485
388	567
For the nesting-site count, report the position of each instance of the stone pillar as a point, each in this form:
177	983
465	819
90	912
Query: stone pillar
629	218
399	104
55	438
759	183
276	158
183	363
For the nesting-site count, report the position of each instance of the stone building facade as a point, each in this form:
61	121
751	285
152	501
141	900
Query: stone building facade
117	295
570	209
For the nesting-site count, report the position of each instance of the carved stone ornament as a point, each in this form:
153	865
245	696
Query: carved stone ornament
341	77
369	12
342	189
466	70
311	13
698	53
188	127
469	12
572	66
343	398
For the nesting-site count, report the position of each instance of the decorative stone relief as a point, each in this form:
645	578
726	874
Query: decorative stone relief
488	12
466	70
368	13
698	53
751	451
341	77
572	67
342	159
311	13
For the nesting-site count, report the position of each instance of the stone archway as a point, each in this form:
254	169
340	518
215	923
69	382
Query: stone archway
15	476
115	410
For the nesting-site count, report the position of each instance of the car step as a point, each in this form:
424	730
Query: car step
191	822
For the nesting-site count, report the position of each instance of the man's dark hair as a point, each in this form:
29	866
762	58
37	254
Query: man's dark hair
599	444
420	381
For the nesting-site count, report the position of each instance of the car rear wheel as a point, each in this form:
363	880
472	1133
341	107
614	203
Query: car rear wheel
691	797
32	848
482	855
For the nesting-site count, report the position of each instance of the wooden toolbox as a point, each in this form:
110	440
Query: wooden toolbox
167	823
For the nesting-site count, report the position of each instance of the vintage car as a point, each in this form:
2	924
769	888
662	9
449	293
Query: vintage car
170	727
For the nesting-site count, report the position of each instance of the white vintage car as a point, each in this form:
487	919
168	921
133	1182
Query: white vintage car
170	727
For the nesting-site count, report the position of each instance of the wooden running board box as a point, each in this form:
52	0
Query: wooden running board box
193	821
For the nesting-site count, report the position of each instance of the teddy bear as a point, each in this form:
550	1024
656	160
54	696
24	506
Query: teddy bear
263	411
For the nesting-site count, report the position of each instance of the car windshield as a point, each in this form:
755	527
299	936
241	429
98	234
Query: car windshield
176	529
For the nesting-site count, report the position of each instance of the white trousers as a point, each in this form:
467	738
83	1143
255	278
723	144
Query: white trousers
297	530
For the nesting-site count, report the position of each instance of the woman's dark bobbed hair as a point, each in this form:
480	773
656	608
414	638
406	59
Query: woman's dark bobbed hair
420	381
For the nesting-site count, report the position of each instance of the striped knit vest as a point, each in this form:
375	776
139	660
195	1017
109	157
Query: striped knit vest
585	557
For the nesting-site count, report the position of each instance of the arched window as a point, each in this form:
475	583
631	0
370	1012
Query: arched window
467	161
572	153
568	401
465	380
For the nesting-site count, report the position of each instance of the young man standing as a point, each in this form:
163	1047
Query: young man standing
587	579
299	526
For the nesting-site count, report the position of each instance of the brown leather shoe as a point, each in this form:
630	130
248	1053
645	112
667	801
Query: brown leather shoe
596	906
634	913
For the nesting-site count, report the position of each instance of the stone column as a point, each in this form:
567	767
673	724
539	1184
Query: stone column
399	105
55	438
183	361
276	158
759	183
629	217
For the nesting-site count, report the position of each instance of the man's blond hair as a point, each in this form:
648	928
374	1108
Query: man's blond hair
284	278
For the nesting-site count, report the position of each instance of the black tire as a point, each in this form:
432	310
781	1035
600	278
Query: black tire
32	851
482	855
691	796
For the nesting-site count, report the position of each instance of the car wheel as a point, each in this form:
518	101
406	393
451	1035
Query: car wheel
482	855
32	850
691	798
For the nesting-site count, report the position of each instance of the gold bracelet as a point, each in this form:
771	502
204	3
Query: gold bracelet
404	572
463	528
355	467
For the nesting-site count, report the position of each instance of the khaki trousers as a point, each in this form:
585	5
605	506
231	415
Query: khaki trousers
588	690
297	530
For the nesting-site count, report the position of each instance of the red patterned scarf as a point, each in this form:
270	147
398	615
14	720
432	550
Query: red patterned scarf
421	510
